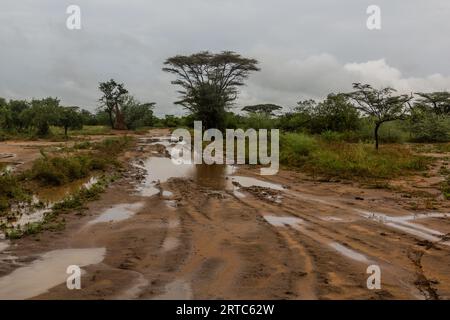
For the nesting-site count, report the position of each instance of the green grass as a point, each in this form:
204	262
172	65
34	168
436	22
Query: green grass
11	190
61	169
66	166
86	131
348	160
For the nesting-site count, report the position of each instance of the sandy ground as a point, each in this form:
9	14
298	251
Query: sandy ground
299	239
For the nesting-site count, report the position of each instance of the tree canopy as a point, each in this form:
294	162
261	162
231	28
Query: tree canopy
381	104
114	95
267	109
209	82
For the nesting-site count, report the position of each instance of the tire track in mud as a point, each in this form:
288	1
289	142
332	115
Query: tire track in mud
331	233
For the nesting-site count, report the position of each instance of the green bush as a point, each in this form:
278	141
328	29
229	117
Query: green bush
10	191
295	148
60	170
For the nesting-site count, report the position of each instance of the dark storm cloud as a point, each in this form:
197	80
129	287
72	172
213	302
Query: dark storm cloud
306	48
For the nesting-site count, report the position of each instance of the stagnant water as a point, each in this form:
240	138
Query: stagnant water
118	212
48	271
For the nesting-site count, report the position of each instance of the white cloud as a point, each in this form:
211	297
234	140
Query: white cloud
285	80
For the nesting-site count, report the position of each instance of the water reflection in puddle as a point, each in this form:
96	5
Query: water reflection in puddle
118	212
403	223
3	245
159	170
248	182
56	194
43	202
283	221
349	253
46	272
167	194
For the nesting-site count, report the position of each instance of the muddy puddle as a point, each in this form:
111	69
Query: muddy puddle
43	201
160	169
406	224
349	253
118	212
56	194
283	221
48	271
3	245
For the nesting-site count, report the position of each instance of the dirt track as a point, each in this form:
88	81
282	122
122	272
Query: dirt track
300	239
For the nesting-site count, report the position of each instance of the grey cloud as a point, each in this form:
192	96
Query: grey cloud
306	48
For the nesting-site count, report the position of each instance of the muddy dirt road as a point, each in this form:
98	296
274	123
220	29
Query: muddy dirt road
218	232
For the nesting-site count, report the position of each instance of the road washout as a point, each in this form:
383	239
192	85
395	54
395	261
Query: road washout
223	232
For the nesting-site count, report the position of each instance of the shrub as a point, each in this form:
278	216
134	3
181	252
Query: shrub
10	191
295	148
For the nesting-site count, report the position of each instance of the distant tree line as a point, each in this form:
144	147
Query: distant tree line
208	86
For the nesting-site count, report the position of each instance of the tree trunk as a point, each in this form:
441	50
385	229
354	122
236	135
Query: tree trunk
377	126
111	119
119	120
65	131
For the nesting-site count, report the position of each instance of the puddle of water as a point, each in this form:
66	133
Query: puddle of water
283	221
160	170
238	194
402	223
55	194
176	290
118	212
253	182
169	244
333	219
349	253
46	272
167	194
3	245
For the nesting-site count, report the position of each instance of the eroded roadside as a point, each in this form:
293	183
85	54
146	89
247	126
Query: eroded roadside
202	232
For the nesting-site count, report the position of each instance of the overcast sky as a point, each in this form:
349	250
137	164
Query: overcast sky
306	49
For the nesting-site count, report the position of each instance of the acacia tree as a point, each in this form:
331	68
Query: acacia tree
437	102
266	109
113	97
382	105
69	118
209	82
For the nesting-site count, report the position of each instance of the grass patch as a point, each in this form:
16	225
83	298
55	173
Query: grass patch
59	170
348	160
85	131
11	191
